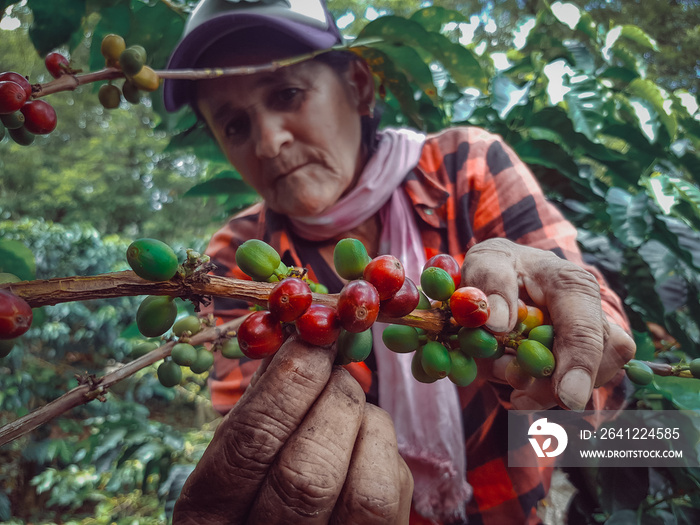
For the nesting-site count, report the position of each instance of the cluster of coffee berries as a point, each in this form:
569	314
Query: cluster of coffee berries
15	316
154	260
446	354
451	352
20	115
132	62
289	304
374	285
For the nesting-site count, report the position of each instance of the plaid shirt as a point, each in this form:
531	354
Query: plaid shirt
468	186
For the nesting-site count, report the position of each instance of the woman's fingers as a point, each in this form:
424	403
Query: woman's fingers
492	266
305	480
227	479
379	486
619	349
571	296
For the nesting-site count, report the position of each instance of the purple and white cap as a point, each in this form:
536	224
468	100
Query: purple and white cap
306	21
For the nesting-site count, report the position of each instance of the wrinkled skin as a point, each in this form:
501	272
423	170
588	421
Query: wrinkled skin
589	350
301	446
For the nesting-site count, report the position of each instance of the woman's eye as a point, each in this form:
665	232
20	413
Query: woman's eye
287	96
236	128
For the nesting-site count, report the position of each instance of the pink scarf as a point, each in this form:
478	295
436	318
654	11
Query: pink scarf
427	417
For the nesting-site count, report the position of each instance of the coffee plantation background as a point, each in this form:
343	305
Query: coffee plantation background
600	99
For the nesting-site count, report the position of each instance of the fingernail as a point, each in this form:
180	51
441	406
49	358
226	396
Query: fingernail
499	315
575	389
526	403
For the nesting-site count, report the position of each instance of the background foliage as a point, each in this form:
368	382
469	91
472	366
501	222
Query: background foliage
599	98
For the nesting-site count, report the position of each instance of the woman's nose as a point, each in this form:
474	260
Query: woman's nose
271	134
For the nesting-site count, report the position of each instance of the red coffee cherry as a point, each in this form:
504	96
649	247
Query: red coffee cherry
447	263
403	302
358	306
40	117
56	64
289	299
15	315
387	275
12	97
469	306
319	325
260	335
17	79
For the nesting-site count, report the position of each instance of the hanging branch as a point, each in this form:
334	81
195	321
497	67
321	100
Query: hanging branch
71	81
92	387
197	288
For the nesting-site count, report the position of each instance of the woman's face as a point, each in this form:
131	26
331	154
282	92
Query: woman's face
294	134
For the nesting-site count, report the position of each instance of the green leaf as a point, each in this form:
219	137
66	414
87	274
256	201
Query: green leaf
679	236
199	142
687	192
394	80
219	186
17	259
629	216
54	23
587	26
585	105
235	202
548	48
156	27
647	90
410	62
506	95
645	346
666	270
435	18
461	64
662	262
619	73
614	39
684	393
547	154
635	34
557	121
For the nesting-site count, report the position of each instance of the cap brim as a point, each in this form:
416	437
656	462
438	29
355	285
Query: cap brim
177	93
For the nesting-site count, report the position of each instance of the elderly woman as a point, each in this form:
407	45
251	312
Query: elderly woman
304	441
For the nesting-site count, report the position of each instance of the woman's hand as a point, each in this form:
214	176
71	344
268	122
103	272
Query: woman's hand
589	351
300	446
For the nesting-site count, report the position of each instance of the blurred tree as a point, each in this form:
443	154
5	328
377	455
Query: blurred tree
674	24
103	167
